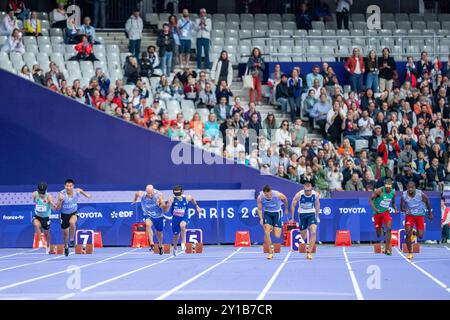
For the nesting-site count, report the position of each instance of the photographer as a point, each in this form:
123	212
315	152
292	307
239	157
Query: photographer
14	43
203	27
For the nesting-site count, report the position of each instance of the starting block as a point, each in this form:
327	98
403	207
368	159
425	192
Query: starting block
302	248
415	247
87	249
377	248
194	247
56	249
166	248
276	248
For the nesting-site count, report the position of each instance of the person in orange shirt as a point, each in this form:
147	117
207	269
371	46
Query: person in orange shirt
346	146
197	125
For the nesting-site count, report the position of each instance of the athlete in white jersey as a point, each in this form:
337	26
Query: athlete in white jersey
308	214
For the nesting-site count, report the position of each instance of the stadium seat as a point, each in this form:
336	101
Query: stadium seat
274	17
246	17
188	109
289	25
391	25
46	48
152	18
3	39
318	25
420	25
288	17
29	59
233	17
260	17
29	40
203	112
244	25
56	32
32	48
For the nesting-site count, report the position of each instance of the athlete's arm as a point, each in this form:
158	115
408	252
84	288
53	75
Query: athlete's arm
393	204
191	198
60	200
428	204
402	204
317	207
258	201
52	202
285	202
293	204
374	195
84	193
162	203
136	196
34	195
169	203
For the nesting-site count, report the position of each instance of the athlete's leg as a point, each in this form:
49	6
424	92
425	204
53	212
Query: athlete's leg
277	232
267	239
408	231
65	233
149	230
183	233
388	235
47	236
37	227
175	240
73	225
312	237
304	234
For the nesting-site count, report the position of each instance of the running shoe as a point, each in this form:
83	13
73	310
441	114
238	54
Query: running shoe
72	243
388	252
152	247
47	250
161	250
309	256
174	251
270	256
66	251
410	256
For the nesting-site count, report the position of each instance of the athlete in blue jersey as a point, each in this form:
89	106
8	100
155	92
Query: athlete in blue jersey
43	205
177	205
308	213
153	204
68	202
415	203
269	211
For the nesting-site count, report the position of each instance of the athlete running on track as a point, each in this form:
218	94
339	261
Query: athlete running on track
153	204
177	205
414	202
68	202
308	213
43	205
269	204
381	201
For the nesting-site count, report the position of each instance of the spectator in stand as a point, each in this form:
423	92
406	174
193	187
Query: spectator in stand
235	148
368	182
354	184
322	11
222	69
203	27
308	105
145	66
25	73
282	134
273	81
372	72
222	110
238	122
308	176
407	156
153	57
185	26
389	150
166	44
254	125
100	14
304	17
424	67
20	11
335	119
386	65
207	98
343	13
89	30
223	90
282	93
365	125
103	82
237	107
378	169
14	43
270	125
212	132
38	75
183	76
435	176
84	51
72	33
176	33
9	24
295	85
191	89
59	16
314	75
407	176
355	67
250	111
256	66
411	72
320	112
55	75
33	25
131	70
133	29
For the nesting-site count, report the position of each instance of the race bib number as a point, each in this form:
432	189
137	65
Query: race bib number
385	203
178	212
41	208
307	205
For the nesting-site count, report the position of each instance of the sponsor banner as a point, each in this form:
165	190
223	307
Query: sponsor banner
218	220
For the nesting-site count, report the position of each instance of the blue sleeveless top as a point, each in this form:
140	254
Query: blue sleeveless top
150	206
42	207
179	207
415	204
272	205
69	204
307	204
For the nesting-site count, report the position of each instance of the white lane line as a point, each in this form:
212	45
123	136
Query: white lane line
16	284
274	277
182	285
431	260
435	280
448	248
32	263
19	253
358	292
123	275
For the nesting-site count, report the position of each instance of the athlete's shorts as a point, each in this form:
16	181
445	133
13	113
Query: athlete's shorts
272	218
65	219
158	223
411	220
185	46
45	222
176	223
381	218
307	219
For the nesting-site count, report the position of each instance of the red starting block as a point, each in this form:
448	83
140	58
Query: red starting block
98	242
140	240
56	249
343	238
377	248
415	247
194	247
39	243
166	248
276	248
302	248
87	249
242	239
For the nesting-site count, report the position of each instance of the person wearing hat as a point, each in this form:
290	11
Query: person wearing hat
43	205
282	93
133	29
